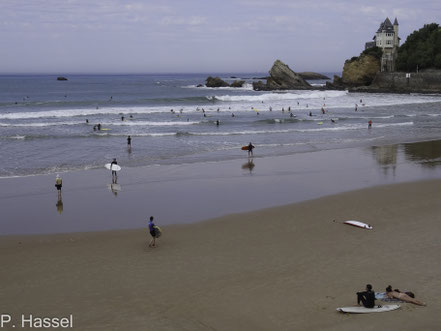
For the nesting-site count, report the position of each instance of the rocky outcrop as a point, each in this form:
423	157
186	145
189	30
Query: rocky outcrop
282	78
312	76
336	84
215	82
61	78
360	71
237	83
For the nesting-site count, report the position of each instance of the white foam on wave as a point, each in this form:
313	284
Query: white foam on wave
84	112
149	123
294	95
42	124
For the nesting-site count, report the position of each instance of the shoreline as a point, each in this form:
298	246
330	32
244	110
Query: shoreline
188	193
281	268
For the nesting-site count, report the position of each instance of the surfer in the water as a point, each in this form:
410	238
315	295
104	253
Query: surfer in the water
367	298
152	232
250	149
129	142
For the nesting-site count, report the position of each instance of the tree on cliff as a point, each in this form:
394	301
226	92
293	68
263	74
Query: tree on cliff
422	49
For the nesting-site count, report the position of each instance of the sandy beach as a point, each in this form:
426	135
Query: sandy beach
235	253
283	268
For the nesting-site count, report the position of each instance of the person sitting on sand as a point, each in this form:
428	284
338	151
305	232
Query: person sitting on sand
152	232
367	298
406	297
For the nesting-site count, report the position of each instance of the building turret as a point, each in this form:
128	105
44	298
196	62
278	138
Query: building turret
387	39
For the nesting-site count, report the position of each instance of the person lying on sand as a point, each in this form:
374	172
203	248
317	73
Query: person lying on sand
406	297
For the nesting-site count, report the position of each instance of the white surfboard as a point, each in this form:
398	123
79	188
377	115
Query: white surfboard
363	310
113	167
358	224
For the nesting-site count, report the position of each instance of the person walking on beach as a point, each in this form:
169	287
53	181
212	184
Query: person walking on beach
152	231
114	176
367	298
58	185
250	149
129	142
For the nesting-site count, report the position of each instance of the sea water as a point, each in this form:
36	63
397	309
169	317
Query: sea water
47	126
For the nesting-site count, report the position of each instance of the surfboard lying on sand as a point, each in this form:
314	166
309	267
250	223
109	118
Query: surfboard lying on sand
358	224
363	310
113	167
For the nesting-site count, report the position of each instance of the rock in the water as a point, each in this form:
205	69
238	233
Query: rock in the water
337	84
312	75
259	86
61	78
237	83
216	82
282	78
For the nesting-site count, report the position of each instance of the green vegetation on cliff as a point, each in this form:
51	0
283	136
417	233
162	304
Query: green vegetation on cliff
376	52
422	49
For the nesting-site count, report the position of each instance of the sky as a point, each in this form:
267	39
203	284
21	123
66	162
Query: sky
195	36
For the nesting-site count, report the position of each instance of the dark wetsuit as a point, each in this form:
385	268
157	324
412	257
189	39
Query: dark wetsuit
152	229
367	298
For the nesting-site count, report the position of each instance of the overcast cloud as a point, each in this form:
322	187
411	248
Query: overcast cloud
135	36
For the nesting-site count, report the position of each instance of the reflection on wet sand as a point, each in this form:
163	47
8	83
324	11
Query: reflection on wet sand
249	165
114	188
386	156
59	205
427	153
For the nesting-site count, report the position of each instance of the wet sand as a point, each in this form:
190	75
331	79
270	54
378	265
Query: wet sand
283	268
188	193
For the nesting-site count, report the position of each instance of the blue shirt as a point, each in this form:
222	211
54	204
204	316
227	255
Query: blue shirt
151	226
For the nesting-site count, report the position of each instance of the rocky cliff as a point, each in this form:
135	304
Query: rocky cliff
358	71
282	78
361	71
400	82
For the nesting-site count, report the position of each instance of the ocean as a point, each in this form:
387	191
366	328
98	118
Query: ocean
47	126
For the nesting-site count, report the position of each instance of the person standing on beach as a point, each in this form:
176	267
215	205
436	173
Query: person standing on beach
370	124
129	142
250	149
367	298
58	185
152	232
114	176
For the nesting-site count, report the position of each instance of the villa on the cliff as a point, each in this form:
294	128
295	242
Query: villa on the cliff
387	39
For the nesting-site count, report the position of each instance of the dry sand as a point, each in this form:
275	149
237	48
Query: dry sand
284	268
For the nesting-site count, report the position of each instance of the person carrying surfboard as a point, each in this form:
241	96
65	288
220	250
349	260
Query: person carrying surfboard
250	149
58	185
114	176
152	231
367	298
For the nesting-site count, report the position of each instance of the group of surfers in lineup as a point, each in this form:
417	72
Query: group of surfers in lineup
97	127
367	298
